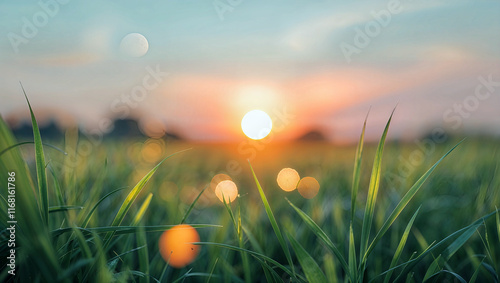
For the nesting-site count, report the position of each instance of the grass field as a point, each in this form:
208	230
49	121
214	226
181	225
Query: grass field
85	212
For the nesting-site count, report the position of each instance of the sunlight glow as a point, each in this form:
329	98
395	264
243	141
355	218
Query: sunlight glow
256	124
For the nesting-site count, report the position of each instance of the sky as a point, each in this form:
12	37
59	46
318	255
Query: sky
318	64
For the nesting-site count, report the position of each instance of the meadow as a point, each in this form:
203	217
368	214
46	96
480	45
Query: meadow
95	213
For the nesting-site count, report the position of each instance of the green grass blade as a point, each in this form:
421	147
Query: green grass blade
192	205
274	224
129	200
120	230
311	268
40	166
142	210
84	247
352	255
63	208
251	239
143	253
372	194
323	237
212	270
458	277
473	278
91	212
256	254
357	169
30	142
433	269
498	222
456	244
400	247
244	256
402	204
57	188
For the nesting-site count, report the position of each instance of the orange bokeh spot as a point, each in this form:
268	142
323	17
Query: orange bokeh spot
288	179
217	179
308	187
153	150
226	191
175	245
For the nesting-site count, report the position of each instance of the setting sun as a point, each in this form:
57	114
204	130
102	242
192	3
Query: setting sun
256	124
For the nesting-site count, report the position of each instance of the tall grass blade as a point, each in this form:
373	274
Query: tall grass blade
142	210
255	254
372	194
274	224
458	277
212	270
455	235
400	247
357	169
64	208
129	200
403	202
57	188
323	237
40	166
143	254
30	142
311	268
433	269
84	247
34	233
498	222
91	212
121	230
192	205
473	278
352	255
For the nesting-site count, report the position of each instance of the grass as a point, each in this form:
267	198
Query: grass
97	217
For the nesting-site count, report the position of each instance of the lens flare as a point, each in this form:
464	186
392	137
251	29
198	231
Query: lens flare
175	245
288	179
308	187
226	190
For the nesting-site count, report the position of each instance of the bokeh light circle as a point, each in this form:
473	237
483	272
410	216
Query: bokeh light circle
308	187
288	179
217	179
226	190
175	245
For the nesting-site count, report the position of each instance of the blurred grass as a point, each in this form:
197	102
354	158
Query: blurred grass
463	188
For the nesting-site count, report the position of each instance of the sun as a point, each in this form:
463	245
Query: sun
256	124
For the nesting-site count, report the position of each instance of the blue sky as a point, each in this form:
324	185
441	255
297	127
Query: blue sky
271	55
